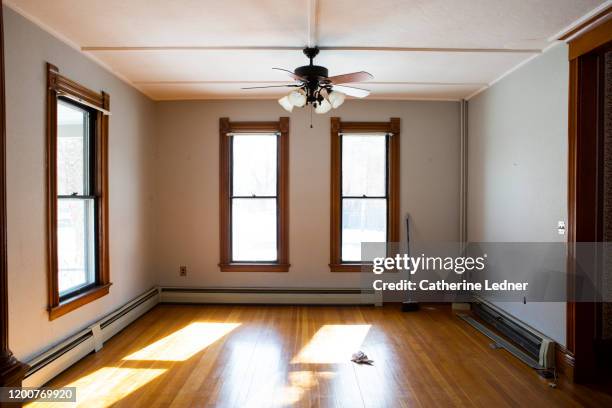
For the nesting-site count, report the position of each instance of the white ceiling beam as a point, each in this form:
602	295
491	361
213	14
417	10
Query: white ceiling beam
313	6
324	48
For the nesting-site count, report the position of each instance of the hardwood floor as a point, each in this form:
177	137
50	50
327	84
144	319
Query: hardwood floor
267	356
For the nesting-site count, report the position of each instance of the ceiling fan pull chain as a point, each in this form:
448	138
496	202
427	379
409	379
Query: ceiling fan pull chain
311	116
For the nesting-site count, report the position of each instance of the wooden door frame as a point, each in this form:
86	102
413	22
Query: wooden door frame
12	370
584	178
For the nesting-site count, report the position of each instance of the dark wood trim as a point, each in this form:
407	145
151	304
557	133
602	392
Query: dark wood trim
78	301
12	370
584	179
564	361
334	192
225	226
365	127
590	40
571	202
597	18
102	192
337	127
61	84
227	127
345	267
283	195
254	267
51	166
255	127
583	205
57	85
394	181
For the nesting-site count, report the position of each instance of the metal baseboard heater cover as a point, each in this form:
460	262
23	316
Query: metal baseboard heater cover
534	349
49	364
280	296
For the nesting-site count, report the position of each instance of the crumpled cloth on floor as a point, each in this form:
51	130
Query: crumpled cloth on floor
361	358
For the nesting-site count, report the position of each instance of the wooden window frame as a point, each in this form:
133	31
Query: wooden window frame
225	173
393	232
58	85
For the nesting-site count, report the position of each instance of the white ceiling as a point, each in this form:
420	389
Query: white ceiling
416	49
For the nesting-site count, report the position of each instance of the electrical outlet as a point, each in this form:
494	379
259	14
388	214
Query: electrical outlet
561	228
182	270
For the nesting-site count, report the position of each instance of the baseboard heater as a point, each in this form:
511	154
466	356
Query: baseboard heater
534	349
278	296
55	360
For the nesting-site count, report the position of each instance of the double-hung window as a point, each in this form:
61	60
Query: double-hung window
76	199
77	204
364	188
253	195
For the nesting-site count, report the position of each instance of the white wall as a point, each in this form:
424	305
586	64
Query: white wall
131	147
517	167
188	184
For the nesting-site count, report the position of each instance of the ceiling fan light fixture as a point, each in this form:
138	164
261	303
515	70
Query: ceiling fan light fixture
297	98
313	86
285	102
336	98
323	107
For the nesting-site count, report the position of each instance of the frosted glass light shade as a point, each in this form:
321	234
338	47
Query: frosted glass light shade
323	107
297	98
336	98
286	103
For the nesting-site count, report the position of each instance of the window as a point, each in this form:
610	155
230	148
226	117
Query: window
77	206
253	196
76	257
364	189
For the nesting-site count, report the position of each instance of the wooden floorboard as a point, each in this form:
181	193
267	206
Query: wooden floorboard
273	356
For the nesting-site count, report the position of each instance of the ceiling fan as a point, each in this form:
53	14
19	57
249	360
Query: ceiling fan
314	86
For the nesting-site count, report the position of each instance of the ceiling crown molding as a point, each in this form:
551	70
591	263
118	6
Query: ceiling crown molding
588	21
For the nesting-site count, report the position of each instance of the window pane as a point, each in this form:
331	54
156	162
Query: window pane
75	244
363	220
363	165
254	229
72	125
254	165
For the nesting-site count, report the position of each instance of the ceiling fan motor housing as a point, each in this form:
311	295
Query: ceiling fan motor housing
312	72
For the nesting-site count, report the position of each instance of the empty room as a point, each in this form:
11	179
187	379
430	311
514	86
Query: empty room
305	203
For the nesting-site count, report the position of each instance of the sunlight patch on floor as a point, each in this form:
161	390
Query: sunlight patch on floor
106	386
333	343
288	392
184	343
299	382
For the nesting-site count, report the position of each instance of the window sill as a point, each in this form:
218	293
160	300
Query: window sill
348	267
254	267
78	301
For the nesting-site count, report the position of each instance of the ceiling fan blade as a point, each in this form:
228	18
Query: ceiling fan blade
352	77
272	86
291	74
351	91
